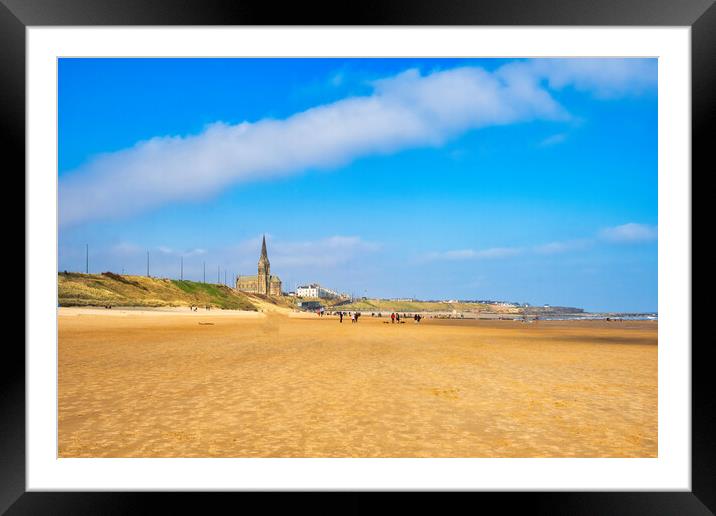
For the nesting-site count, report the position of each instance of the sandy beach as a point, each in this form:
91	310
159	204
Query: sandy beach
175	383
136	312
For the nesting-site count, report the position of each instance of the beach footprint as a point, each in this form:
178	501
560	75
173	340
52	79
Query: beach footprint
448	394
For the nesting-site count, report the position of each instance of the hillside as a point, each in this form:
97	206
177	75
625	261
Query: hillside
272	303
75	289
385	305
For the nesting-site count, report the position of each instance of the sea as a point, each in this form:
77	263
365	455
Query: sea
601	316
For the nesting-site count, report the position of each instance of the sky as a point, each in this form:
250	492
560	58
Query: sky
524	180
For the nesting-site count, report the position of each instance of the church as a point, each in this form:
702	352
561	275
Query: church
263	282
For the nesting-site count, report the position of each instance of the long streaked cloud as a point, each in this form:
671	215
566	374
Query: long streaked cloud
472	254
130	249
604	78
298	259
563	246
286	254
630	233
404	111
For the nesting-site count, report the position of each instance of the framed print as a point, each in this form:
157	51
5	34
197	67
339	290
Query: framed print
406	251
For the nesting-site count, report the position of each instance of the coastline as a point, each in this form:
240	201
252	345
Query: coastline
70	311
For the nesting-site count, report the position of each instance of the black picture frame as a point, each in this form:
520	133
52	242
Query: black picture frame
700	15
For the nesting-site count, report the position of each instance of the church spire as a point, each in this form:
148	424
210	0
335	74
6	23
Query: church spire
264	273
263	248
263	259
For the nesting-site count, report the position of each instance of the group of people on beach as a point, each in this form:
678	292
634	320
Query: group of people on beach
354	316
395	317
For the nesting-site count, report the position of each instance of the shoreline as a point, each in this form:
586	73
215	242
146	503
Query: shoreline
265	309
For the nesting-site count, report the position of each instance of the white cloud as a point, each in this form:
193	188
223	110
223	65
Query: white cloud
630	233
131	249
602	77
472	254
626	233
125	249
177	252
405	111
288	258
555	139
327	252
562	246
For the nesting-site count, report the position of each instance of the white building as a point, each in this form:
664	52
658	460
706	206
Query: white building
316	291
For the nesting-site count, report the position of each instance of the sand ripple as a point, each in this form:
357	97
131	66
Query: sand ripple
276	386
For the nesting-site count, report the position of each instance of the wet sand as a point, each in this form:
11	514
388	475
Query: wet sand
269	385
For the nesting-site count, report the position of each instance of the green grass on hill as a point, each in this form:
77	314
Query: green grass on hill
75	289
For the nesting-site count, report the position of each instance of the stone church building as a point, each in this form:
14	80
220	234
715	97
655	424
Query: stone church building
263	282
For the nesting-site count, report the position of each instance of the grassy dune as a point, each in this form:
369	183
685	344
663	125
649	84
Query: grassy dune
75	289
283	301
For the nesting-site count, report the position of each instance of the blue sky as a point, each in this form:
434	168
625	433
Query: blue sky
519	180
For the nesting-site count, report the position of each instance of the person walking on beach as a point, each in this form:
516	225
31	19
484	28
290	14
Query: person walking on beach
353	317
340	317
397	317
392	317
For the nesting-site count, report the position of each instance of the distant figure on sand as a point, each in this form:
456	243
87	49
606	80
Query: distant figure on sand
340	317
392	317
397	317
353	317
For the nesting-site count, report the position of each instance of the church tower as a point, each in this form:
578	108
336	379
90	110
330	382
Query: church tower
264	275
